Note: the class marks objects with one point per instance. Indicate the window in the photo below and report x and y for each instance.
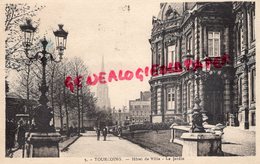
(158, 96)
(252, 26)
(189, 44)
(214, 44)
(240, 39)
(170, 97)
(172, 54)
(253, 76)
(240, 91)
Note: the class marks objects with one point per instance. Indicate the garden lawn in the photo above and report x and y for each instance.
(157, 142)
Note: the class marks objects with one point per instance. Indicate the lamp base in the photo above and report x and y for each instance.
(43, 145)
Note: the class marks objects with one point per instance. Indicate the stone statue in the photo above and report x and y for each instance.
(197, 118)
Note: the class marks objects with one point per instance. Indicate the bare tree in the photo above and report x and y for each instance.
(78, 70)
(16, 14)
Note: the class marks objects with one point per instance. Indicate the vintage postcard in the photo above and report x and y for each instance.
(129, 81)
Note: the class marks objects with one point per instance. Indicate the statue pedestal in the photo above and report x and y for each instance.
(43, 145)
(201, 144)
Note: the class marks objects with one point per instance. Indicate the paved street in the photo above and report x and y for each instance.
(88, 146)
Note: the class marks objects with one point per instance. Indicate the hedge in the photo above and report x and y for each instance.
(156, 126)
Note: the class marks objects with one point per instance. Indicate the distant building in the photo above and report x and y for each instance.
(103, 100)
(121, 117)
(140, 109)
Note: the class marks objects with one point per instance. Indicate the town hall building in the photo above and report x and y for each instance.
(205, 32)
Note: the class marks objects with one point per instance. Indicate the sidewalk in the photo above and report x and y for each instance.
(238, 142)
(113, 147)
(62, 146)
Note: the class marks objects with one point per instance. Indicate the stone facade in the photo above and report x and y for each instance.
(220, 32)
(140, 109)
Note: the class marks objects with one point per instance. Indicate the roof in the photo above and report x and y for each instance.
(167, 7)
(13, 95)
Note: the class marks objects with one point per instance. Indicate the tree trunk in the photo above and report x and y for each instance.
(82, 121)
(78, 109)
(61, 116)
(28, 94)
(66, 106)
(52, 96)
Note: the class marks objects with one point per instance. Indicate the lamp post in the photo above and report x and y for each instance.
(43, 115)
(43, 141)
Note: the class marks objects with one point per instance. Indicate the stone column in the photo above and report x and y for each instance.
(202, 94)
(245, 95)
(245, 30)
(165, 54)
(179, 49)
(192, 89)
(153, 100)
(162, 51)
(195, 36)
(201, 42)
(235, 100)
(227, 98)
(226, 34)
(179, 98)
(184, 100)
(159, 98)
(205, 40)
(164, 101)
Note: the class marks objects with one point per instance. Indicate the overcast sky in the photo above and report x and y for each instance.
(108, 28)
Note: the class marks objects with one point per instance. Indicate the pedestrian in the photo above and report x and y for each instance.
(7, 139)
(119, 132)
(13, 128)
(98, 133)
(105, 133)
(21, 134)
(70, 131)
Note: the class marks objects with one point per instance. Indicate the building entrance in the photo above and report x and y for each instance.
(214, 102)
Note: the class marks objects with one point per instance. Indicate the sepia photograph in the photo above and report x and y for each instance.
(129, 81)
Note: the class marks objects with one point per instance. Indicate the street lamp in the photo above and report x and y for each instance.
(42, 114)
(28, 31)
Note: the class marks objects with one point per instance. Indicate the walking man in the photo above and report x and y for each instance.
(105, 133)
(119, 132)
(98, 134)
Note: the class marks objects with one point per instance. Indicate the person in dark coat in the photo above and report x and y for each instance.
(7, 137)
(98, 134)
(21, 134)
(119, 132)
(105, 133)
(13, 127)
